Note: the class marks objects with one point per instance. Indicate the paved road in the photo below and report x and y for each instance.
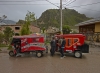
(90, 63)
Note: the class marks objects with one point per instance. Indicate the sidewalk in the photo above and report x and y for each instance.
(3, 50)
(93, 43)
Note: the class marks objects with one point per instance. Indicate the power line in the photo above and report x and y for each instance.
(52, 3)
(15, 1)
(46, 4)
(5, 3)
(85, 5)
(26, 4)
(23, 1)
(89, 9)
(66, 1)
(56, 5)
(71, 2)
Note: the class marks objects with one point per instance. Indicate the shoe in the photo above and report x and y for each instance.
(52, 55)
(61, 58)
(17, 55)
(64, 56)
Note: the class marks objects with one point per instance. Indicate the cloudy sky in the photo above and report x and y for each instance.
(17, 9)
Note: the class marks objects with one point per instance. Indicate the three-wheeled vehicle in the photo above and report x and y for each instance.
(75, 43)
(29, 43)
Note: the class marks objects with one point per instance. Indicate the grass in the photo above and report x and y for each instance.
(47, 42)
(10, 47)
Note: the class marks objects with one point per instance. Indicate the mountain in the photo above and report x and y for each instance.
(51, 17)
(8, 22)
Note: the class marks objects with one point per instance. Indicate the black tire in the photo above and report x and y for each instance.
(11, 53)
(78, 54)
(39, 54)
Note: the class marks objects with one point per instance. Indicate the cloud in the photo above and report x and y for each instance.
(89, 10)
(16, 12)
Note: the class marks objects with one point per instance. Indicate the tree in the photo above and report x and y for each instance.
(8, 33)
(43, 27)
(1, 37)
(66, 29)
(2, 18)
(30, 17)
(24, 30)
(20, 22)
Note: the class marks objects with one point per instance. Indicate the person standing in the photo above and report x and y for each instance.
(62, 46)
(57, 43)
(53, 46)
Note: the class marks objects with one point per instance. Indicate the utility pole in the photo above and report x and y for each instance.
(36, 20)
(61, 16)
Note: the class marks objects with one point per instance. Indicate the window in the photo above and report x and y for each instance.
(35, 39)
(17, 28)
(69, 42)
(75, 40)
(14, 40)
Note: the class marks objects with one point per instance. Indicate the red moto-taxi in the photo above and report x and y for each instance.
(75, 43)
(29, 43)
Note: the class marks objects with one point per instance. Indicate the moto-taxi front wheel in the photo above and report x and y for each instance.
(39, 54)
(11, 53)
(78, 54)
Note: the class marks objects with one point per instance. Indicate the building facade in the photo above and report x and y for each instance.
(90, 26)
(17, 28)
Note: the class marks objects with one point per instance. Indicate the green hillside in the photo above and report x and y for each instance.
(51, 17)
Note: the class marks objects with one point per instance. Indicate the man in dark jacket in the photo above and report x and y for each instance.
(53, 46)
(63, 43)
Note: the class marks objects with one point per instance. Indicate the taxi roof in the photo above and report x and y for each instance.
(29, 36)
(65, 35)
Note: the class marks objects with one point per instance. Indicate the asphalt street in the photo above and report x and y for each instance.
(89, 63)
